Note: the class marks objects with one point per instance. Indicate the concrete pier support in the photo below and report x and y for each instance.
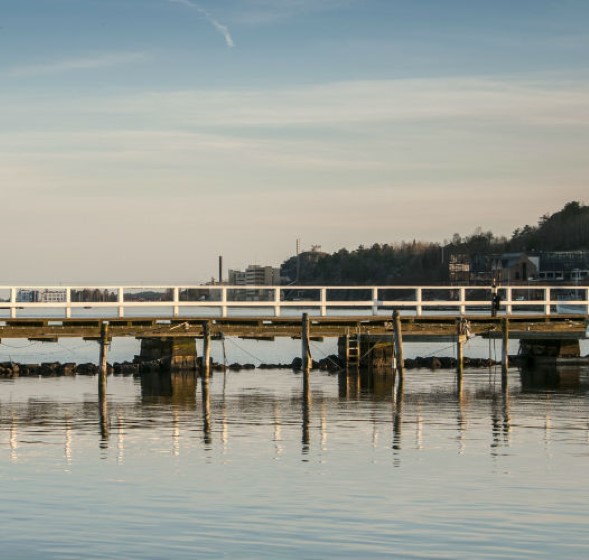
(547, 350)
(171, 353)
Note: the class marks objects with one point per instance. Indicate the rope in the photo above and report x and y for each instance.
(246, 351)
(324, 355)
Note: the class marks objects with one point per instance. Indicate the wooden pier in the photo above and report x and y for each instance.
(378, 335)
(367, 320)
(424, 328)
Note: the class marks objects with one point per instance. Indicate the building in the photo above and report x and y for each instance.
(506, 268)
(550, 266)
(459, 269)
(41, 296)
(564, 266)
(254, 275)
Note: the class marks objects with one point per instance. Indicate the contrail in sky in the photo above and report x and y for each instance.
(223, 29)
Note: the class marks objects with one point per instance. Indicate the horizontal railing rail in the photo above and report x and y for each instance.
(180, 300)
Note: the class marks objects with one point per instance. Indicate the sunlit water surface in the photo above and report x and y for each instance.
(251, 466)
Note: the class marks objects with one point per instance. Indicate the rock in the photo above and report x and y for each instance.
(87, 369)
(68, 369)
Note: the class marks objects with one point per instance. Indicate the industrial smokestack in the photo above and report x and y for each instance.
(220, 269)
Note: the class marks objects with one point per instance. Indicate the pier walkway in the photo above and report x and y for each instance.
(51, 312)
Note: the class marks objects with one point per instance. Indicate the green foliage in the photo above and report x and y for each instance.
(425, 262)
(566, 230)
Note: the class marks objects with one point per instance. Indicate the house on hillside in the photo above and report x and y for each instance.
(564, 266)
(505, 267)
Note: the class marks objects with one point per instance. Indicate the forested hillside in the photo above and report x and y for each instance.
(426, 262)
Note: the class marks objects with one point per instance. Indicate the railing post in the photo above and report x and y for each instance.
(223, 302)
(374, 301)
(323, 302)
(121, 301)
(176, 301)
(68, 303)
(587, 300)
(12, 303)
(276, 302)
(509, 300)
(462, 295)
(419, 301)
(547, 299)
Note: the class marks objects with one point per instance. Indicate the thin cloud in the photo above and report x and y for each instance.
(72, 64)
(262, 12)
(223, 29)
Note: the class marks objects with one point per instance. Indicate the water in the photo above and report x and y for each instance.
(251, 466)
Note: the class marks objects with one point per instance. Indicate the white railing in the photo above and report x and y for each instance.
(185, 301)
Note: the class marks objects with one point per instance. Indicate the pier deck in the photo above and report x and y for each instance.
(415, 328)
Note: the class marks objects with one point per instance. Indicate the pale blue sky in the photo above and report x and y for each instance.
(142, 138)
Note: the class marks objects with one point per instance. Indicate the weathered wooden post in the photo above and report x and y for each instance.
(306, 339)
(206, 348)
(347, 339)
(104, 331)
(398, 336)
(505, 346)
(460, 337)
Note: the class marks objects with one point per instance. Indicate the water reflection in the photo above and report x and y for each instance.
(357, 383)
(103, 407)
(176, 388)
(398, 413)
(563, 379)
(381, 402)
(500, 422)
(206, 411)
(306, 413)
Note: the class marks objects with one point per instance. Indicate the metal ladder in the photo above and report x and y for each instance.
(353, 356)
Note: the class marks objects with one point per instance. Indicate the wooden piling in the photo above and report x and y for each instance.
(206, 348)
(104, 349)
(306, 340)
(505, 345)
(398, 336)
(460, 338)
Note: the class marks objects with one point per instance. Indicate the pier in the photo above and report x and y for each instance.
(370, 322)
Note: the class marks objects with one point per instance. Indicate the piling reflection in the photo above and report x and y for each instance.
(500, 421)
(103, 407)
(306, 414)
(206, 410)
(398, 395)
(461, 416)
(378, 403)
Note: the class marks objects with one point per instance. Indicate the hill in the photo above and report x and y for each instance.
(426, 262)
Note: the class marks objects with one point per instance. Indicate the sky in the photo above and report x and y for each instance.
(141, 139)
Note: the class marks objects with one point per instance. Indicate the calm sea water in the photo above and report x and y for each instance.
(250, 466)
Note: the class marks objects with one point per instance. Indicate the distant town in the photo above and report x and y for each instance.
(554, 251)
